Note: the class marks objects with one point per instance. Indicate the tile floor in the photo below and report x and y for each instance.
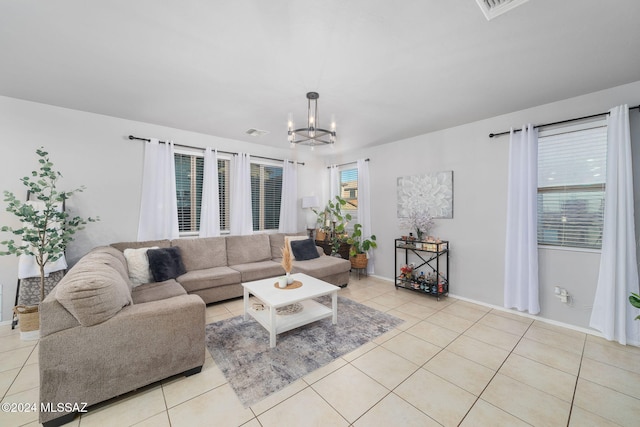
(451, 363)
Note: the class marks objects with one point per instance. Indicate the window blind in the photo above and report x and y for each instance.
(223, 189)
(189, 174)
(266, 194)
(571, 184)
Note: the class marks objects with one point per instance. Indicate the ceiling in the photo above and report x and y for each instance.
(388, 70)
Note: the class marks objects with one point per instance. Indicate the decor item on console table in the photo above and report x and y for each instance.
(420, 221)
(430, 257)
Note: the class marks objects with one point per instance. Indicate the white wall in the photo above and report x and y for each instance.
(477, 231)
(93, 150)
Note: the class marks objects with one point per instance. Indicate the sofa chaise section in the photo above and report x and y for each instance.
(99, 339)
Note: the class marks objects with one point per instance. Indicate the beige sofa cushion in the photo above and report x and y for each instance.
(259, 270)
(246, 249)
(203, 252)
(157, 291)
(93, 292)
(209, 278)
(121, 246)
(113, 258)
(276, 240)
(322, 266)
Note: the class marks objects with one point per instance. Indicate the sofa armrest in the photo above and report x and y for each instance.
(141, 344)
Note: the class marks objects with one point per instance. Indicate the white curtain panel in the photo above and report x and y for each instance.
(334, 182)
(210, 210)
(612, 313)
(289, 198)
(159, 205)
(521, 260)
(364, 207)
(241, 217)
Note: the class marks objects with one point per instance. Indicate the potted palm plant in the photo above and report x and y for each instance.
(45, 231)
(360, 245)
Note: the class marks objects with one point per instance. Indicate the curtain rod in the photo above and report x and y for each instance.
(348, 163)
(131, 137)
(491, 135)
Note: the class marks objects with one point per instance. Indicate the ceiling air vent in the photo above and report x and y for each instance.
(256, 132)
(493, 8)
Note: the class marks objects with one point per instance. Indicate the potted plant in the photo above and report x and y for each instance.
(360, 246)
(322, 230)
(333, 223)
(46, 229)
(634, 299)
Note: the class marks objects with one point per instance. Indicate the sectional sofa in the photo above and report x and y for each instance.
(102, 335)
(216, 266)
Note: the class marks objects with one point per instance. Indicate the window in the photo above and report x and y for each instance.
(571, 184)
(266, 192)
(189, 169)
(223, 189)
(349, 192)
(189, 179)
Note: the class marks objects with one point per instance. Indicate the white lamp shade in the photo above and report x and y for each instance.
(310, 202)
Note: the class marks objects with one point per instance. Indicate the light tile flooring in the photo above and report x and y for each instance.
(451, 363)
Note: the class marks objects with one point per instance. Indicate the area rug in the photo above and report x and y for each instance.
(254, 370)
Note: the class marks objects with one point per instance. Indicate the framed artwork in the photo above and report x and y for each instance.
(430, 192)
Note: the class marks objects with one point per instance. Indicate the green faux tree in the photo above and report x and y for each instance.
(46, 231)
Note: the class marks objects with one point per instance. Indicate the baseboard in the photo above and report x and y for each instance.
(518, 313)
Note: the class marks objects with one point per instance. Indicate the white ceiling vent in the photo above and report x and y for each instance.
(493, 8)
(256, 132)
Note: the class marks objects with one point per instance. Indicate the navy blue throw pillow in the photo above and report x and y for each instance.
(165, 263)
(304, 249)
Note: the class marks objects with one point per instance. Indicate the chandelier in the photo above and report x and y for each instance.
(313, 134)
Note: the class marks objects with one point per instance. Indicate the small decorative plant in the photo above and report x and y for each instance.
(47, 230)
(360, 244)
(419, 221)
(634, 299)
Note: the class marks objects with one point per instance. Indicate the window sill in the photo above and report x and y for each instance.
(569, 249)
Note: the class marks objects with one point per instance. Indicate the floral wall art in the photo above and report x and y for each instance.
(430, 193)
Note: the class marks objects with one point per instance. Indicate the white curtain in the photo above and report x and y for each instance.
(521, 260)
(612, 313)
(159, 206)
(241, 217)
(364, 207)
(289, 198)
(334, 182)
(210, 210)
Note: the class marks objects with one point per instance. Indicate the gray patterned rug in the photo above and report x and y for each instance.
(254, 370)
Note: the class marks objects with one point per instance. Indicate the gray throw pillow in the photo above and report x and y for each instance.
(165, 263)
(304, 249)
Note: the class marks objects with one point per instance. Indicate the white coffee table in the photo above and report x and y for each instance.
(274, 298)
